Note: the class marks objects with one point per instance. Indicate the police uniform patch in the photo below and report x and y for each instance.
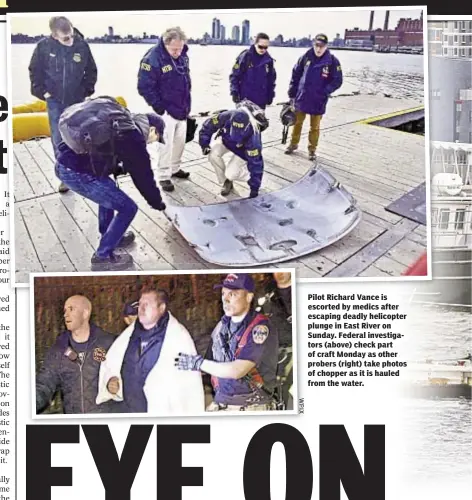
(253, 152)
(260, 333)
(236, 66)
(99, 354)
(77, 57)
(166, 68)
(325, 72)
(146, 66)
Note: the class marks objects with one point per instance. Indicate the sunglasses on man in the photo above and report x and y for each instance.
(263, 47)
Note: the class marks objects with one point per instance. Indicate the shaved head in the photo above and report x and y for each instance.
(77, 311)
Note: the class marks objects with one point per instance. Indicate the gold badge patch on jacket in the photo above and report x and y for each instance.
(77, 57)
(99, 354)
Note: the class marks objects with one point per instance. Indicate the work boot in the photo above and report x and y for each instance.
(63, 188)
(127, 239)
(167, 185)
(311, 155)
(115, 262)
(180, 174)
(227, 187)
(291, 149)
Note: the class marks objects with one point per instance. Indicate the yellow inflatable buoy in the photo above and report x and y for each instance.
(30, 121)
(28, 126)
(31, 107)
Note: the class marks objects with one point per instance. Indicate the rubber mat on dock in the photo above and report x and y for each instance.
(411, 205)
(304, 217)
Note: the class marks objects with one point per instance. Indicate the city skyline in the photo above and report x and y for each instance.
(294, 23)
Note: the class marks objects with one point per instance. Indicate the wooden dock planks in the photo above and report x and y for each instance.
(55, 232)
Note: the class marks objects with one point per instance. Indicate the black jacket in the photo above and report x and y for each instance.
(131, 151)
(278, 308)
(69, 74)
(77, 382)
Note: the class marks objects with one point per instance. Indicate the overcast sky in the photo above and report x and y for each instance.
(289, 22)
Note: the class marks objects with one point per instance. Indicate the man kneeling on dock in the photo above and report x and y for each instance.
(102, 138)
(239, 134)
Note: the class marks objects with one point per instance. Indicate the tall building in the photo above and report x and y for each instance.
(222, 32)
(235, 34)
(450, 81)
(215, 29)
(450, 38)
(450, 84)
(110, 31)
(246, 27)
(279, 39)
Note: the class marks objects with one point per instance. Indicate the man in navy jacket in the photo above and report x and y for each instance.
(90, 176)
(316, 75)
(62, 72)
(164, 82)
(253, 75)
(72, 363)
(240, 137)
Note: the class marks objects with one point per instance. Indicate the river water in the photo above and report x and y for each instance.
(398, 75)
(440, 431)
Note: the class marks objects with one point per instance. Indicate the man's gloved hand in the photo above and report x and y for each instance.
(253, 193)
(188, 361)
(206, 150)
(236, 98)
(160, 111)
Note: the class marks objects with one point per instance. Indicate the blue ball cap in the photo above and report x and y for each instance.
(239, 124)
(238, 282)
(321, 38)
(157, 122)
(131, 308)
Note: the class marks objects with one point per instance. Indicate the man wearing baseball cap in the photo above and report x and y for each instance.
(130, 312)
(238, 136)
(242, 355)
(316, 75)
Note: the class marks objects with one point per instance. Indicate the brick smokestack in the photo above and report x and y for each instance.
(371, 22)
(387, 14)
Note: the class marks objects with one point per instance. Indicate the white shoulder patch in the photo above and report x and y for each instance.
(260, 334)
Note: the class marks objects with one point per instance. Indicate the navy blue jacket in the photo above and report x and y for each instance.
(131, 150)
(253, 77)
(250, 149)
(260, 347)
(313, 80)
(69, 74)
(165, 82)
(77, 382)
(141, 355)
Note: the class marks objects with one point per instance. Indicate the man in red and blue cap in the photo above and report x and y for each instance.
(316, 75)
(242, 355)
(238, 136)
